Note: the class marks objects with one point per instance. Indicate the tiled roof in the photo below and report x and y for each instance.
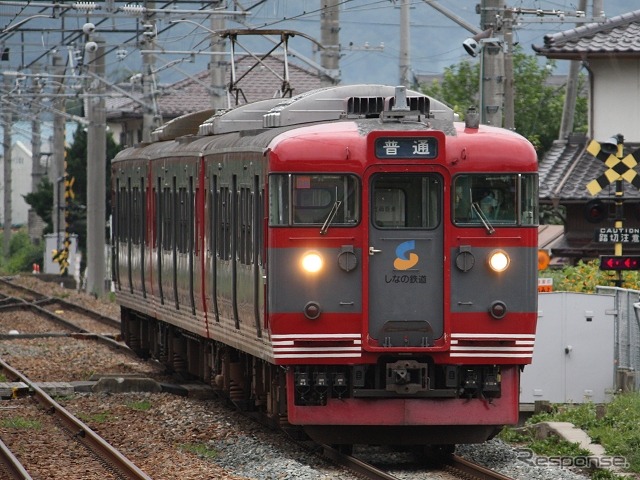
(617, 35)
(192, 94)
(567, 168)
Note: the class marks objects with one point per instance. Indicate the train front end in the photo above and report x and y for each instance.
(401, 306)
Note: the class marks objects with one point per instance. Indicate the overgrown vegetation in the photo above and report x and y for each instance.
(586, 276)
(616, 426)
(22, 254)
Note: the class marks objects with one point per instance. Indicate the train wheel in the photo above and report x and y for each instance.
(344, 449)
(436, 454)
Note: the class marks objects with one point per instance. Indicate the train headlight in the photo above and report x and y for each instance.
(499, 260)
(312, 262)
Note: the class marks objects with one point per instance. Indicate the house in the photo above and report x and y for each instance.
(610, 53)
(255, 81)
(20, 183)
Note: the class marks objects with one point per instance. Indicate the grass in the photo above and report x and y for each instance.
(141, 406)
(200, 449)
(616, 426)
(100, 417)
(20, 423)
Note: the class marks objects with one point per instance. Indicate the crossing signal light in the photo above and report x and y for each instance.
(620, 262)
(595, 211)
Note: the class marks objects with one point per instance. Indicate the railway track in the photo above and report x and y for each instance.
(454, 465)
(99, 459)
(53, 309)
(14, 296)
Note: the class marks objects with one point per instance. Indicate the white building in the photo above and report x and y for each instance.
(20, 183)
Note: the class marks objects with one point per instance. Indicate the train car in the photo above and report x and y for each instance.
(352, 261)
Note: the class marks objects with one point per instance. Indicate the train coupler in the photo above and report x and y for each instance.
(407, 376)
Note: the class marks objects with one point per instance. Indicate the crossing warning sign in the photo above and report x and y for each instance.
(618, 168)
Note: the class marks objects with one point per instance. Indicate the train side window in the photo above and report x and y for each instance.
(279, 199)
(224, 224)
(529, 214)
(212, 199)
(183, 214)
(122, 210)
(308, 199)
(245, 226)
(167, 219)
(259, 226)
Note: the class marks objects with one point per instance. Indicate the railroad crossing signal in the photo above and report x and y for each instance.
(68, 188)
(618, 168)
(620, 262)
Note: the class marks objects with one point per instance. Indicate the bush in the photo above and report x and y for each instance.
(618, 430)
(586, 276)
(22, 254)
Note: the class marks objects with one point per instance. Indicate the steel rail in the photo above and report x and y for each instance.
(41, 299)
(20, 288)
(473, 470)
(80, 431)
(110, 321)
(358, 466)
(11, 465)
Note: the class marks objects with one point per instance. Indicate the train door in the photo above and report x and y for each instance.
(406, 264)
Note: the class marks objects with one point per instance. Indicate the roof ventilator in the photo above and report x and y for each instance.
(369, 107)
(401, 109)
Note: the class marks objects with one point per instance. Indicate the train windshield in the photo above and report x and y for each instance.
(314, 199)
(496, 199)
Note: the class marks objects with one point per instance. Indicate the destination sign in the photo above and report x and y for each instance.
(406, 147)
(617, 235)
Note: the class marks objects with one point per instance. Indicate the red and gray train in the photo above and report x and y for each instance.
(352, 260)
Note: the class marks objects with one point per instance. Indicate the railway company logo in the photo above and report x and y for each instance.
(405, 258)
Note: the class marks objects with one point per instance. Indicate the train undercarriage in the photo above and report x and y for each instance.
(270, 392)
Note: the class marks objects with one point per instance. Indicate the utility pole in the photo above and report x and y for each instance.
(330, 39)
(491, 66)
(35, 222)
(509, 84)
(571, 95)
(7, 123)
(405, 41)
(56, 172)
(217, 64)
(96, 168)
(150, 116)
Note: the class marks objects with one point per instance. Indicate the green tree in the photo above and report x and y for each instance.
(459, 88)
(537, 105)
(76, 168)
(42, 202)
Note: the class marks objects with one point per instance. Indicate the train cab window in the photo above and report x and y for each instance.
(495, 200)
(311, 199)
(406, 201)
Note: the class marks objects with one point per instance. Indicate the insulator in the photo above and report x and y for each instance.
(133, 9)
(87, 6)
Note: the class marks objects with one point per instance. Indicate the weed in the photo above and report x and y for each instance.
(21, 423)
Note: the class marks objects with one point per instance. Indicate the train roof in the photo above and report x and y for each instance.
(321, 105)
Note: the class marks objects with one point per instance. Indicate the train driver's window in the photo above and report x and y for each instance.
(494, 199)
(310, 199)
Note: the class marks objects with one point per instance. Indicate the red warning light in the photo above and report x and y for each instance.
(621, 262)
